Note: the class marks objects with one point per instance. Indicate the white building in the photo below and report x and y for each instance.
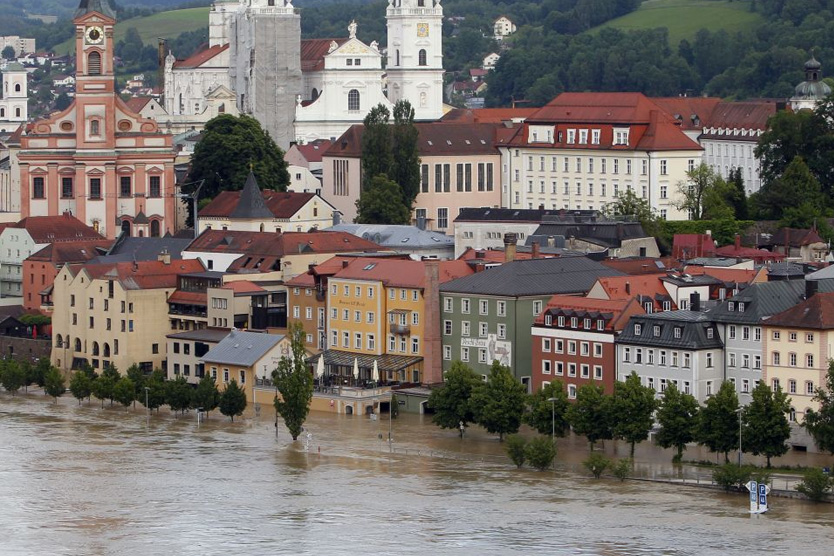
(14, 98)
(21, 45)
(503, 27)
(490, 60)
(811, 91)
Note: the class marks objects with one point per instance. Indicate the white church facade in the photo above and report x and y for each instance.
(14, 98)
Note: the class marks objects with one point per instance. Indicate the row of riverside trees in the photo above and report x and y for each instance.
(15, 375)
(501, 405)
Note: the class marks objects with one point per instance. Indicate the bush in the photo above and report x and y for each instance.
(732, 477)
(815, 484)
(597, 464)
(516, 449)
(621, 468)
(540, 452)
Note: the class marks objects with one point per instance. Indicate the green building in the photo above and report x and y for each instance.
(488, 315)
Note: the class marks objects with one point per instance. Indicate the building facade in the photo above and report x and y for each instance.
(14, 98)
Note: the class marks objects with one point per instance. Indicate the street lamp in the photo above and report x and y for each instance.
(552, 419)
(147, 389)
(739, 411)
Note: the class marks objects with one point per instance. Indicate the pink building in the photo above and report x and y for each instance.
(110, 167)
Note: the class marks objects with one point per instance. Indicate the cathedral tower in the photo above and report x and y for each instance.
(415, 55)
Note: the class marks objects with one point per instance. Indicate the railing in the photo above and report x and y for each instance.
(399, 329)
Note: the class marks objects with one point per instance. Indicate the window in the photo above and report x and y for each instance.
(776, 335)
(677, 332)
(809, 338)
(597, 350)
(708, 389)
(731, 362)
(464, 306)
(94, 63)
(464, 328)
(745, 331)
(37, 188)
(357, 340)
(483, 329)
(546, 345)
(353, 100)
(501, 308)
(809, 360)
(571, 347)
(663, 168)
(775, 384)
(442, 218)
(662, 359)
(483, 307)
(585, 348)
(447, 353)
(776, 358)
(709, 333)
(571, 369)
(447, 304)
(502, 331)
(597, 372)
(482, 355)
(686, 360)
(731, 332)
(464, 354)
(627, 355)
(66, 188)
(560, 346)
(537, 307)
(638, 329)
(546, 367)
(809, 388)
(745, 386)
(792, 337)
(154, 188)
(585, 371)
(792, 359)
(421, 57)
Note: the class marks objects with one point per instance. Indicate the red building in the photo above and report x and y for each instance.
(573, 341)
(112, 168)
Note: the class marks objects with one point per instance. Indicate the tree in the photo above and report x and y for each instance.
(590, 414)
(718, 422)
(62, 102)
(381, 202)
(516, 449)
(629, 205)
(815, 484)
(820, 422)
(81, 386)
(738, 197)
(103, 386)
(499, 404)
(377, 152)
(633, 404)
(677, 417)
(230, 147)
(597, 464)
(9, 53)
(765, 428)
(155, 393)
(137, 376)
(12, 376)
(232, 400)
(405, 167)
(28, 371)
(540, 452)
(40, 370)
(111, 374)
(178, 394)
(205, 397)
(54, 383)
(792, 189)
(546, 416)
(294, 382)
(451, 402)
(123, 391)
(698, 186)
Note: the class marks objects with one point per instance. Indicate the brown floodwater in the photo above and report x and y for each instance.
(82, 480)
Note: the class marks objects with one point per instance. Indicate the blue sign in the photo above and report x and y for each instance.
(753, 492)
(762, 489)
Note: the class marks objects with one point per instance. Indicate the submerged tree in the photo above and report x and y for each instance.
(294, 382)
(451, 402)
(232, 401)
(633, 404)
(499, 403)
(677, 417)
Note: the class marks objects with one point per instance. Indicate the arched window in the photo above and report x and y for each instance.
(95, 127)
(353, 100)
(421, 57)
(141, 233)
(17, 87)
(78, 344)
(154, 228)
(126, 227)
(398, 58)
(59, 341)
(95, 348)
(262, 227)
(2, 112)
(106, 350)
(94, 63)
(315, 94)
(17, 112)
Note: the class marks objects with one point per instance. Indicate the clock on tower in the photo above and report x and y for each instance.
(94, 35)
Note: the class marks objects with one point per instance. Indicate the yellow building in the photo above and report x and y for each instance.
(114, 313)
(797, 347)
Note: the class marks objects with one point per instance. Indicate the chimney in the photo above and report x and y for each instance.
(695, 301)
(510, 241)
(164, 257)
(810, 288)
(738, 242)
(628, 288)
(432, 342)
(551, 241)
(345, 264)
(480, 254)
(535, 251)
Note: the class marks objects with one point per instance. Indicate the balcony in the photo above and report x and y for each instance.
(403, 329)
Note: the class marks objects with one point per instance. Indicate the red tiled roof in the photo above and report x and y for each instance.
(689, 246)
(50, 229)
(203, 55)
(628, 287)
(486, 115)
(758, 255)
(493, 255)
(616, 307)
(277, 244)
(188, 298)
(641, 265)
(313, 52)
(691, 112)
(138, 103)
(400, 273)
(816, 312)
(142, 275)
(282, 205)
(70, 252)
(313, 151)
(742, 115)
(739, 275)
(242, 287)
(304, 280)
(795, 237)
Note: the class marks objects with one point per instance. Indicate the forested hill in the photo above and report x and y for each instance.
(764, 60)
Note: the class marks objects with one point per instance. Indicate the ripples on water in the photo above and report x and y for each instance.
(92, 481)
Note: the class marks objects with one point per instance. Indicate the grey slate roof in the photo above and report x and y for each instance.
(101, 6)
(822, 274)
(397, 237)
(564, 275)
(488, 214)
(143, 249)
(242, 348)
(606, 234)
(760, 301)
(717, 262)
(693, 325)
(212, 335)
(251, 203)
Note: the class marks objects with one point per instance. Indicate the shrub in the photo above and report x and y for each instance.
(732, 477)
(540, 452)
(815, 484)
(597, 464)
(516, 449)
(621, 468)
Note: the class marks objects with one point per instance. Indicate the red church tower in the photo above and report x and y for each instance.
(113, 169)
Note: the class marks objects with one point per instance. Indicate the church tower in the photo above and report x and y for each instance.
(415, 55)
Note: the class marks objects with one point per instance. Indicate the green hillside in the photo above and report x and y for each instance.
(683, 18)
(165, 25)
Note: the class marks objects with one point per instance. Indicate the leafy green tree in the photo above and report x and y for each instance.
(294, 383)
(41, 368)
(123, 391)
(377, 152)
(718, 421)
(103, 388)
(12, 376)
(54, 384)
(678, 418)
(81, 386)
(499, 403)
(796, 187)
(9, 53)
(732, 476)
(137, 376)
(381, 202)
(452, 402)
(629, 205)
(232, 400)
(820, 422)
(621, 468)
(405, 169)
(155, 393)
(540, 452)
(178, 394)
(28, 371)
(546, 416)
(229, 148)
(111, 373)
(696, 189)
(597, 464)
(816, 484)
(738, 195)
(516, 449)
(62, 102)
(765, 428)
(206, 396)
(634, 405)
(590, 414)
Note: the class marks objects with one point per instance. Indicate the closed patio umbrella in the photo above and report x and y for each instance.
(320, 367)
(375, 372)
(355, 369)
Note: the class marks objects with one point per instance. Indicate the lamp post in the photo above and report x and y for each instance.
(739, 411)
(552, 419)
(147, 389)
(390, 423)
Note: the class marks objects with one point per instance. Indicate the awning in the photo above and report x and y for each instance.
(48, 290)
(385, 362)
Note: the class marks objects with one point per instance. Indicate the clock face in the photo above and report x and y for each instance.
(422, 29)
(94, 35)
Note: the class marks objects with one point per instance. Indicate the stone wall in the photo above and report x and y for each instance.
(25, 348)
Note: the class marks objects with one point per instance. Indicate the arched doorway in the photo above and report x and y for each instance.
(154, 228)
(126, 227)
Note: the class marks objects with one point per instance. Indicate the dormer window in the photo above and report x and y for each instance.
(587, 324)
(656, 331)
(571, 136)
(574, 322)
(677, 332)
(561, 321)
(709, 333)
(600, 324)
(741, 307)
(731, 306)
(638, 329)
(595, 137)
(583, 136)
(548, 320)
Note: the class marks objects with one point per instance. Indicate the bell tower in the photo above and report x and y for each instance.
(415, 55)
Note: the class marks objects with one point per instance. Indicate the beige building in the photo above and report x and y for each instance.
(114, 313)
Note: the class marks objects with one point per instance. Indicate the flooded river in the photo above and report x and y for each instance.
(85, 481)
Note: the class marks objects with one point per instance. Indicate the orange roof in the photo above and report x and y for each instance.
(242, 287)
(628, 287)
(313, 151)
(188, 298)
(493, 255)
(816, 312)
(400, 273)
(692, 112)
(141, 275)
(50, 229)
(203, 55)
(305, 280)
(589, 305)
(313, 52)
(487, 115)
(138, 103)
(742, 276)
